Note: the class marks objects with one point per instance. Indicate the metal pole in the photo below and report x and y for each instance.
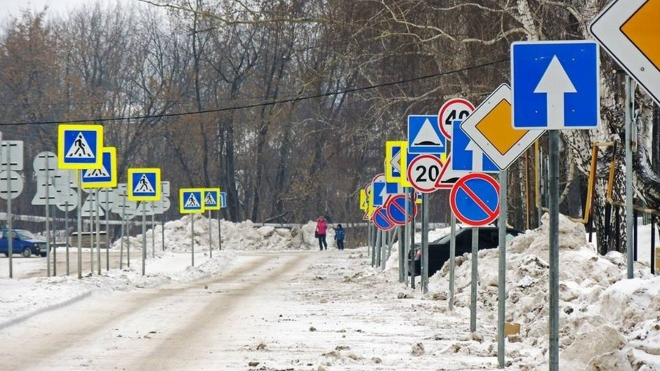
(404, 237)
(144, 236)
(10, 235)
(425, 243)
(219, 232)
(373, 254)
(192, 238)
(452, 262)
(162, 223)
(635, 235)
(121, 241)
(629, 165)
(475, 277)
(402, 247)
(501, 278)
(107, 229)
(79, 225)
(153, 231)
(91, 235)
(653, 244)
(210, 237)
(47, 223)
(412, 246)
(553, 207)
(66, 228)
(98, 232)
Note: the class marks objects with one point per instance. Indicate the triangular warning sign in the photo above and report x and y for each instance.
(80, 148)
(144, 185)
(210, 200)
(427, 136)
(96, 173)
(192, 201)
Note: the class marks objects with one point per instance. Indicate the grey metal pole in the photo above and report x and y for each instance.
(107, 230)
(401, 249)
(162, 223)
(66, 228)
(123, 223)
(91, 236)
(10, 235)
(373, 254)
(153, 232)
(47, 223)
(192, 238)
(144, 236)
(629, 190)
(404, 238)
(425, 243)
(98, 232)
(501, 278)
(79, 224)
(412, 247)
(553, 294)
(473, 281)
(452, 262)
(219, 231)
(210, 237)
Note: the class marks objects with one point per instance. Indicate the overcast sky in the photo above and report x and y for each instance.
(13, 7)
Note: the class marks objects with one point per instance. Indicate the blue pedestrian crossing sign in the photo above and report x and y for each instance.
(211, 198)
(223, 200)
(106, 175)
(144, 184)
(555, 85)
(424, 135)
(79, 146)
(191, 200)
(467, 156)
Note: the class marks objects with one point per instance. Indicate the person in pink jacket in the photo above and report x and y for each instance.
(321, 228)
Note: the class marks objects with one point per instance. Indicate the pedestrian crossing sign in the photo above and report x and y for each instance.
(191, 200)
(144, 184)
(211, 198)
(79, 146)
(106, 175)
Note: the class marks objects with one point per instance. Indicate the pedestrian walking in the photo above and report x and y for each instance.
(340, 235)
(321, 228)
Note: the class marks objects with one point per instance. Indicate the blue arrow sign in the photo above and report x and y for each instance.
(424, 135)
(474, 199)
(380, 193)
(467, 156)
(555, 85)
(223, 200)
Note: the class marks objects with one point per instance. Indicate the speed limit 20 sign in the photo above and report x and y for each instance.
(423, 172)
(453, 109)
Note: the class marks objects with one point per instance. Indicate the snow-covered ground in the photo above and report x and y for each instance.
(607, 322)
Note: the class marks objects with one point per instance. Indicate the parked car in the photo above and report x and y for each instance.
(24, 243)
(439, 249)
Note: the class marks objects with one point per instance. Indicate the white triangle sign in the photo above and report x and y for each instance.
(96, 173)
(427, 136)
(80, 148)
(144, 185)
(209, 200)
(191, 202)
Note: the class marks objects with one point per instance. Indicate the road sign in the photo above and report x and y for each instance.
(396, 209)
(79, 146)
(211, 198)
(379, 194)
(15, 182)
(466, 155)
(223, 200)
(629, 31)
(393, 153)
(490, 128)
(123, 206)
(363, 200)
(381, 220)
(106, 175)
(40, 196)
(191, 200)
(424, 135)
(453, 109)
(144, 184)
(12, 149)
(88, 208)
(165, 188)
(159, 207)
(423, 172)
(474, 199)
(106, 198)
(555, 85)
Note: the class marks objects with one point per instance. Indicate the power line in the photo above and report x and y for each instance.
(262, 104)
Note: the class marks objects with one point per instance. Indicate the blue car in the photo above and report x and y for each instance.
(24, 243)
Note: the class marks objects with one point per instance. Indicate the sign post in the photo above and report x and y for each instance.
(191, 202)
(211, 202)
(144, 185)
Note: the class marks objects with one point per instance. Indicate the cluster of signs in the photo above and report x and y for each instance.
(555, 85)
(198, 200)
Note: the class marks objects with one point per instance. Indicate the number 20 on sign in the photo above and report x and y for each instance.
(423, 172)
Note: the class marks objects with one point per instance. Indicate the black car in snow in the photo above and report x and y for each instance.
(439, 249)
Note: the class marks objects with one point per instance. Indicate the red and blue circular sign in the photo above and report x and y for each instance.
(381, 220)
(475, 199)
(396, 209)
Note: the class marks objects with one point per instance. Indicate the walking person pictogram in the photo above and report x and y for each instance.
(80, 146)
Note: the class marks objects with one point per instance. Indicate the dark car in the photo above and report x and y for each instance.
(24, 243)
(439, 249)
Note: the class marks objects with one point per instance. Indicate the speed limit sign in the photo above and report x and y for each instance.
(453, 109)
(423, 172)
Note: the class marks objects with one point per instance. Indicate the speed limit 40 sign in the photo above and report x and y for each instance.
(424, 171)
(453, 109)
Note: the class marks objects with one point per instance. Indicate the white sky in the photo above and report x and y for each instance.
(60, 7)
(365, 303)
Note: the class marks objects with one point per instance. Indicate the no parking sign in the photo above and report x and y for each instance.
(396, 209)
(474, 199)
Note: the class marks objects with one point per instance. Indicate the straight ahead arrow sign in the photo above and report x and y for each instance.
(555, 83)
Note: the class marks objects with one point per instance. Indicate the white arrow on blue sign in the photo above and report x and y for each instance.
(424, 135)
(555, 85)
(466, 154)
(380, 193)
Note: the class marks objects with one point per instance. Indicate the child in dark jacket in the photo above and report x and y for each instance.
(339, 237)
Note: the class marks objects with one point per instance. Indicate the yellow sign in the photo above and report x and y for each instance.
(629, 30)
(191, 200)
(79, 146)
(490, 128)
(143, 184)
(106, 175)
(394, 149)
(363, 200)
(211, 198)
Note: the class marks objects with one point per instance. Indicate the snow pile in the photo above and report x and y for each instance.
(606, 321)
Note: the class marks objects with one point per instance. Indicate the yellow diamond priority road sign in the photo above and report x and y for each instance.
(629, 30)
